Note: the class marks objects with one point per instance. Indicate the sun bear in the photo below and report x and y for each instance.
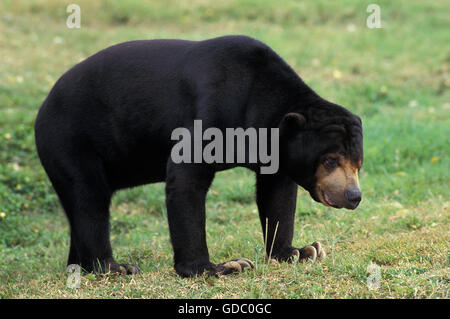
(107, 125)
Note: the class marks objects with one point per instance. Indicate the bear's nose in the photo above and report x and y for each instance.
(353, 196)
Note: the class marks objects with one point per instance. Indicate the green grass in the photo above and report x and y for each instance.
(397, 78)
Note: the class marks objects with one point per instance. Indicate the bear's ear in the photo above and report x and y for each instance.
(292, 123)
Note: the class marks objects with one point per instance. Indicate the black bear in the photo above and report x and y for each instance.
(107, 123)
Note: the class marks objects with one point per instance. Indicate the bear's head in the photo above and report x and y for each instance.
(321, 149)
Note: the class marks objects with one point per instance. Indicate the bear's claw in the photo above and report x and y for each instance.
(123, 269)
(233, 266)
(319, 249)
(309, 253)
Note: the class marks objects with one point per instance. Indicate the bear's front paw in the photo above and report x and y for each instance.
(113, 267)
(309, 253)
(123, 269)
(233, 266)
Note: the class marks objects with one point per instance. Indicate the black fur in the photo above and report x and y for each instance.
(107, 122)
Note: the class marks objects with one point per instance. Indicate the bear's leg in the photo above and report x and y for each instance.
(86, 200)
(73, 253)
(186, 189)
(276, 197)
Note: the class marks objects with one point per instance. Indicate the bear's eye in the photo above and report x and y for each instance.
(330, 163)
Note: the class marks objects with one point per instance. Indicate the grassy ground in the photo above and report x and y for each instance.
(396, 78)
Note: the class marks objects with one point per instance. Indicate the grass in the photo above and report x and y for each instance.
(396, 78)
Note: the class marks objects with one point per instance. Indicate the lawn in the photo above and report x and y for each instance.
(396, 78)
